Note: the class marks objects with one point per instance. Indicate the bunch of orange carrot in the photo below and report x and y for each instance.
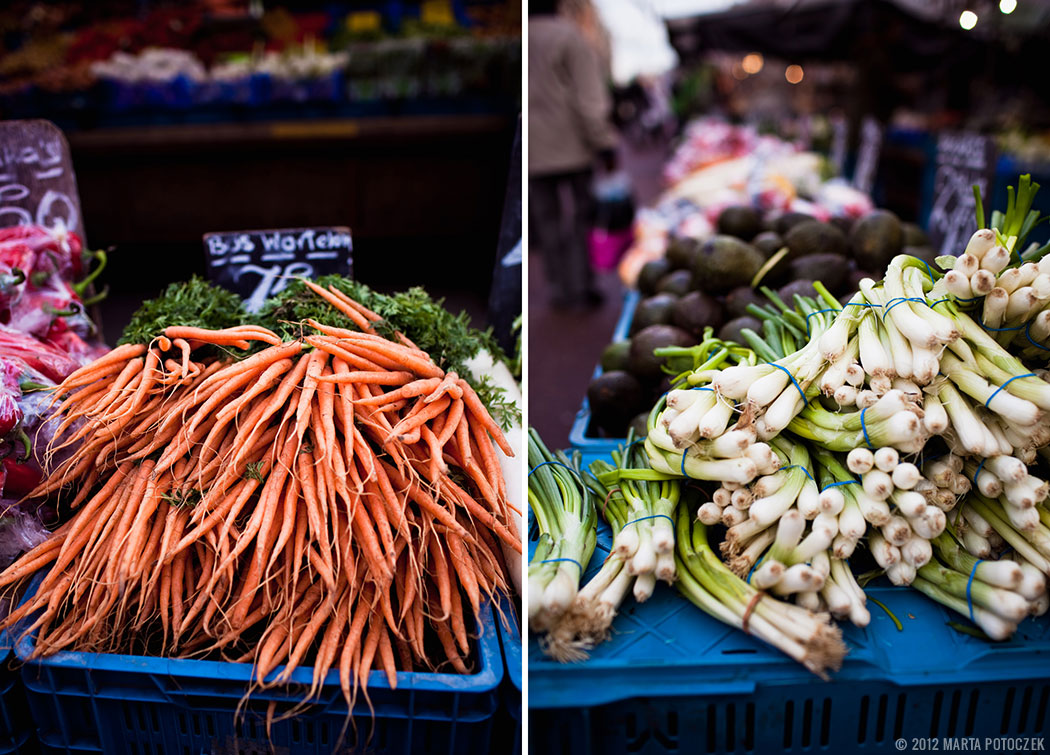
(333, 501)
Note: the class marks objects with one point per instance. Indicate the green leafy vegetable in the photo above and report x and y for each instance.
(448, 338)
(195, 303)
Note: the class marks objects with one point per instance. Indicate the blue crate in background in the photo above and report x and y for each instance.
(16, 725)
(582, 436)
(673, 680)
(118, 704)
(510, 639)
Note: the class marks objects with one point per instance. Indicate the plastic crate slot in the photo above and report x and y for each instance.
(712, 723)
(1040, 715)
(1008, 704)
(862, 727)
(631, 730)
(789, 719)
(297, 731)
(129, 724)
(807, 722)
(898, 722)
(730, 727)
(209, 725)
(180, 722)
(880, 719)
(749, 727)
(825, 723)
(935, 716)
(154, 719)
(196, 718)
(971, 713)
(953, 712)
(739, 651)
(1022, 716)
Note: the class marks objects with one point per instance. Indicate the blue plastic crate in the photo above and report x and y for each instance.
(581, 435)
(16, 725)
(510, 639)
(117, 704)
(672, 679)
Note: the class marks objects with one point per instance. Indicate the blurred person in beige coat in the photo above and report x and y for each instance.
(569, 129)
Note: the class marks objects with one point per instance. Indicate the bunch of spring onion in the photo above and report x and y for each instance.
(640, 505)
(808, 637)
(566, 518)
(995, 594)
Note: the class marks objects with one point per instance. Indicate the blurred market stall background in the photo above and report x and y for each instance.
(827, 108)
(394, 118)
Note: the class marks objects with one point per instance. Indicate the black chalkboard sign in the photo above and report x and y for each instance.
(259, 264)
(963, 159)
(37, 184)
(505, 295)
(867, 166)
(839, 144)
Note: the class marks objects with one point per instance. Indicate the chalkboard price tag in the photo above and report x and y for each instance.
(258, 264)
(963, 159)
(868, 155)
(37, 184)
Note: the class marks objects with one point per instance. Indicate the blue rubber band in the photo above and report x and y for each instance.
(899, 300)
(558, 463)
(1031, 340)
(651, 516)
(979, 468)
(683, 462)
(970, 300)
(969, 586)
(1015, 377)
(579, 479)
(794, 382)
(862, 304)
(818, 312)
(798, 466)
(923, 461)
(840, 484)
(1000, 330)
(864, 427)
(701, 388)
(753, 567)
(929, 270)
(556, 560)
(940, 301)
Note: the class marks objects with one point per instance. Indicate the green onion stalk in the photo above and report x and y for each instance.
(567, 520)
(996, 594)
(809, 638)
(639, 504)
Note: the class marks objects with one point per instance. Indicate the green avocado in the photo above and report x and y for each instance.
(724, 263)
(742, 221)
(739, 298)
(768, 242)
(615, 398)
(696, 311)
(914, 235)
(789, 220)
(814, 237)
(653, 311)
(676, 283)
(876, 239)
(650, 275)
(829, 269)
(681, 252)
(643, 363)
(615, 355)
(731, 330)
